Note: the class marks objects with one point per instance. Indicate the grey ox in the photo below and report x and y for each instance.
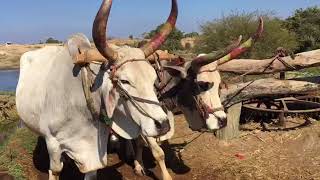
(51, 100)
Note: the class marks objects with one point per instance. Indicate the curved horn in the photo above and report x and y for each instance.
(244, 46)
(211, 57)
(230, 53)
(99, 31)
(164, 32)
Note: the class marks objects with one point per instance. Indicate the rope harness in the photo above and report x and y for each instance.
(87, 81)
(203, 109)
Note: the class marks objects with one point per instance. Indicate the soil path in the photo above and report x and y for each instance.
(255, 155)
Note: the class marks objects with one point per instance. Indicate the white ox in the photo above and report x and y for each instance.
(50, 97)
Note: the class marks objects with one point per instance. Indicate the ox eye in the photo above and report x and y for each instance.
(125, 81)
(204, 86)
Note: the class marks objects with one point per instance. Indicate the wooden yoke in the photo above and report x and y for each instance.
(80, 50)
(162, 55)
(88, 55)
(83, 53)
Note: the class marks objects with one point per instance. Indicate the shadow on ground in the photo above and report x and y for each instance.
(121, 158)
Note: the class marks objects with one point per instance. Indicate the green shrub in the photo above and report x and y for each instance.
(52, 41)
(192, 34)
(219, 33)
(173, 41)
(305, 23)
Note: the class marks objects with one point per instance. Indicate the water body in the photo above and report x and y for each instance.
(8, 80)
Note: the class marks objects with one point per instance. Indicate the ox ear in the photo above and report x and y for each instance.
(111, 100)
(75, 43)
(181, 70)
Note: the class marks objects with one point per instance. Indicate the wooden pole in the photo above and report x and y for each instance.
(268, 66)
(232, 129)
(265, 87)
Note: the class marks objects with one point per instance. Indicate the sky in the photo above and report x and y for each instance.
(29, 21)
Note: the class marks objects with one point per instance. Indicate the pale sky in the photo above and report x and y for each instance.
(29, 21)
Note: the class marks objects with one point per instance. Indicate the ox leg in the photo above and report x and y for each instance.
(91, 176)
(138, 163)
(158, 154)
(56, 164)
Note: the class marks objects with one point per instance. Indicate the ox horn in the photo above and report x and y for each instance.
(211, 57)
(164, 32)
(99, 32)
(244, 46)
(233, 51)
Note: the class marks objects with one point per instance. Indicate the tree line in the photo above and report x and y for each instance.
(297, 33)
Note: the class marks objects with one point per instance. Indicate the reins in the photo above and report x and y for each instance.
(134, 100)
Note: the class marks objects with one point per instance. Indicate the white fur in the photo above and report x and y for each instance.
(51, 102)
(211, 97)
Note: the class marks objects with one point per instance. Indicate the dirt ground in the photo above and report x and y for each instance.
(293, 154)
(255, 155)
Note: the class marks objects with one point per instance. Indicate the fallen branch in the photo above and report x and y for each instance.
(268, 66)
(265, 88)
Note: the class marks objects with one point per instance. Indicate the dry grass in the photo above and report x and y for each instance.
(16, 145)
(10, 55)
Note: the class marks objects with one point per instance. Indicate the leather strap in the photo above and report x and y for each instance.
(87, 80)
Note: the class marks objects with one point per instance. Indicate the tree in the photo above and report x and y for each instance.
(52, 41)
(305, 23)
(192, 34)
(219, 33)
(173, 41)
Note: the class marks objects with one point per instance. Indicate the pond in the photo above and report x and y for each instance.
(8, 80)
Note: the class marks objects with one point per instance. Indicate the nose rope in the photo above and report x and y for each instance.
(87, 79)
(125, 94)
(205, 110)
(134, 100)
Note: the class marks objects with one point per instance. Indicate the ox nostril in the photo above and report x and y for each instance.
(158, 124)
(163, 127)
(222, 122)
(166, 126)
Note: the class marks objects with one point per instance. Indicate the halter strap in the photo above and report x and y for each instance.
(125, 94)
(87, 80)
